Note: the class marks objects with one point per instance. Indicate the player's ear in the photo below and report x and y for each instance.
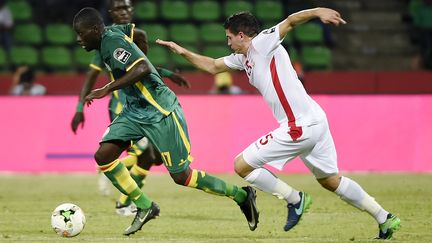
(241, 35)
(96, 29)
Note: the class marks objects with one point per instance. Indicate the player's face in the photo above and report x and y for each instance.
(235, 42)
(121, 11)
(87, 38)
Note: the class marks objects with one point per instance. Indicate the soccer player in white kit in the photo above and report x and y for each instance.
(303, 129)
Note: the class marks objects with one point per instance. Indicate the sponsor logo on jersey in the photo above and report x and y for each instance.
(269, 31)
(121, 55)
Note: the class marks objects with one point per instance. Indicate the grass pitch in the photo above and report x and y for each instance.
(188, 215)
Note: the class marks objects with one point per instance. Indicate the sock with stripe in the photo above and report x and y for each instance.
(130, 160)
(138, 174)
(122, 180)
(213, 185)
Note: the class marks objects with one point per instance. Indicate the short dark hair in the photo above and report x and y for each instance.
(242, 22)
(27, 76)
(111, 2)
(89, 16)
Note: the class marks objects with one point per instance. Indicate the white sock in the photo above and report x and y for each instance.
(351, 192)
(268, 182)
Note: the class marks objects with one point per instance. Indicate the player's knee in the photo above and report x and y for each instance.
(99, 157)
(179, 178)
(330, 183)
(241, 167)
(103, 157)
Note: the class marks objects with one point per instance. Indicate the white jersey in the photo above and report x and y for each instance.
(269, 69)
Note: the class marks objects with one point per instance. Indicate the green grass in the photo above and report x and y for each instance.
(188, 215)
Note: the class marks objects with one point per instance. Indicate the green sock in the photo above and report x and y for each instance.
(216, 186)
(138, 175)
(121, 179)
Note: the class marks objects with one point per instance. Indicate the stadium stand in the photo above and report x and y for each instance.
(316, 57)
(3, 59)
(375, 37)
(174, 10)
(24, 55)
(211, 33)
(56, 58)
(155, 31)
(30, 34)
(195, 23)
(158, 55)
(145, 11)
(232, 6)
(206, 10)
(21, 10)
(59, 34)
(184, 33)
(268, 10)
(81, 58)
(216, 51)
(309, 33)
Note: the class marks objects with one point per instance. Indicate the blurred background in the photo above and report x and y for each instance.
(386, 47)
(372, 76)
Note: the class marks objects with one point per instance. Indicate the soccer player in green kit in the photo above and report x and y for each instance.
(151, 110)
(141, 156)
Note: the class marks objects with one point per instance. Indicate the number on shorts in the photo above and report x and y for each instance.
(167, 158)
(264, 141)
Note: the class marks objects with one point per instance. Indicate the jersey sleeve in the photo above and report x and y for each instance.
(123, 53)
(96, 62)
(267, 41)
(234, 61)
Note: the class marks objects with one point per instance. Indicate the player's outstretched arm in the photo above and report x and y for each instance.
(204, 63)
(17, 77)
(174, 77)
(136, 73)
(89, 82)
(326, 15)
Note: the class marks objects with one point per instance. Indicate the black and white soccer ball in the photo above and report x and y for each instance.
(68, 220)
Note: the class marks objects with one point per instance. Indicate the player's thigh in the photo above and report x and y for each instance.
(123, 129)
(275, 148)
(170, 137)
(322, 159)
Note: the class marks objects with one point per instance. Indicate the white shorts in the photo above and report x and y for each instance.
(315, 147)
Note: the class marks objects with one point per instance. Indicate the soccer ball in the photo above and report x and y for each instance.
(68, 220)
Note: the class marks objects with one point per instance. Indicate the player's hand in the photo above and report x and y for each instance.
(96, 94)
(22, 69)
(171, 45)
(77, 120)
(179, 80)
(330, 16)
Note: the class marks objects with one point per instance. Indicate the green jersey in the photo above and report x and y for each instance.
(148, 100)
(117, 98)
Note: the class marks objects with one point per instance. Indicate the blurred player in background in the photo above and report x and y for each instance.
(23, 83)
(303, 127)
(151, 110)
(141, 156)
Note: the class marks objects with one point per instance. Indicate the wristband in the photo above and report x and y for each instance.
(165, 72)
(80, 107)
